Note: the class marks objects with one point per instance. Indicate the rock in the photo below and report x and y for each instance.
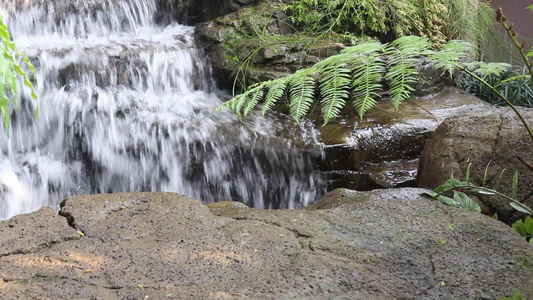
(29, 233)
(193, 12)
(242, 38)
(386, 244)
(497, 137)
(382, 150)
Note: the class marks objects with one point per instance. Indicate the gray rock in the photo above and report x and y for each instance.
(495, 136)
(386, 244)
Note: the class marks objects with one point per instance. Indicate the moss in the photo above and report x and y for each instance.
(516, 296)
(525, 263)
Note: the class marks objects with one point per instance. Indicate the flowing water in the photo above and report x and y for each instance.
(126, 104)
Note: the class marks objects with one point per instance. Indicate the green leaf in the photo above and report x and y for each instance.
(276, 89)
(528, 224)
(521, 207)
(495, 216)
(302, 95)
(258, 95)
(447, 200)
(366, 83)
(450, 56)
(404, 53)
(467, 175)
(486, 173)
(444, 187)
(429, 194)
(500, 177)
(519, 227)
(465, 202)
(334, 88)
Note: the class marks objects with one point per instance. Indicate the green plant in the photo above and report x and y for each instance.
(525, 228)
(462, 200)
(356, 74)
(10, 65)
(515, 85)
(439, 20)
(517, 295)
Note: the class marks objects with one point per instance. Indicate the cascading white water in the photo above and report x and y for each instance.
(127, 105)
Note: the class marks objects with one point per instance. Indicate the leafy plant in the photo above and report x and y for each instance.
(515, 85)
(460, 197)
(355, 74)
(11, 64)
(438, 20)
(525, 228)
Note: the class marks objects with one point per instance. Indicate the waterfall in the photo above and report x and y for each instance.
(126, 104)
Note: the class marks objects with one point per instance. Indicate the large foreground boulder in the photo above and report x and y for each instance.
(496, 139)
(386, 244)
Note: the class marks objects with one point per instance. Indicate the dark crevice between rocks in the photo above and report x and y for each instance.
(70, 218)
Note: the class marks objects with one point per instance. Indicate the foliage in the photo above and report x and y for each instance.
(459, 198)
(439, 20)
(525, 228)
(462, 200)
(516, 86)
(355, 74)
(452, 185)
(10, 65)
(517, 295)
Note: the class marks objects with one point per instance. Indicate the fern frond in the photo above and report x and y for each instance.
(301, 94)
(522, 77)
(404, 53)
(367, 76)
(276, 89)
(484, 69)
(450, 56)
(252, 101)
(335, 90)
(365, 48)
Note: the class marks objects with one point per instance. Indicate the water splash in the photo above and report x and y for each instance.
(126, 105)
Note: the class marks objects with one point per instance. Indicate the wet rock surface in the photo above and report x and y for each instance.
(382, 150)
(384, 244)
(496, 136)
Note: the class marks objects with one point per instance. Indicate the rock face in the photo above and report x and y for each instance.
(382, 150)
(193, 12)
(387, 244)
(495, 136)
(237, 47)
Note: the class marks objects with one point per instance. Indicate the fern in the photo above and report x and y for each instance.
(276, 89)
(367, 75)
(358, 72)
(252, 102)
(302, 95)
(334, 88)
(450, 57)
(405, 53)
